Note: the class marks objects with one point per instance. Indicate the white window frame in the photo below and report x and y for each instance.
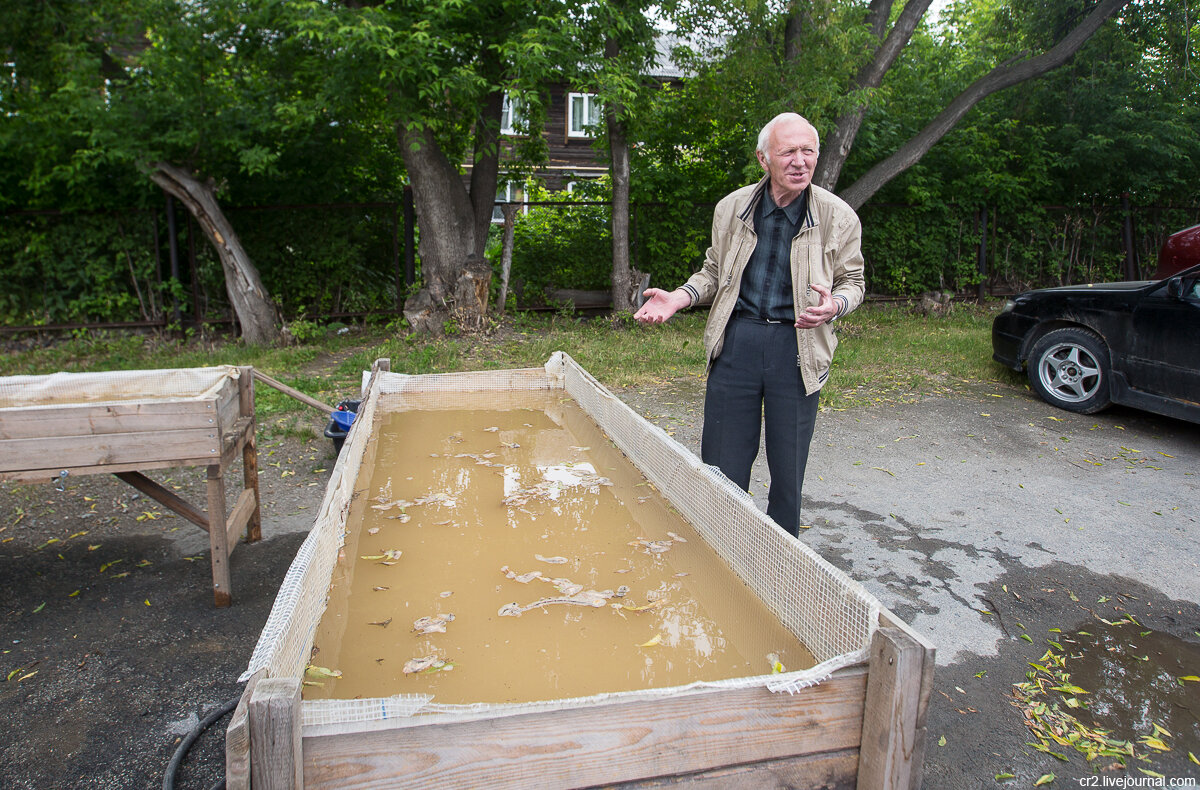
(509, 192)
(591, 114)
(512, 116)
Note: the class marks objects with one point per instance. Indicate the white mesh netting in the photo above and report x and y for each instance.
(61, 389)
(830, 613)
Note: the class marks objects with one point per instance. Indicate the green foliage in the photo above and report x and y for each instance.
(80, 268)
(567, 246)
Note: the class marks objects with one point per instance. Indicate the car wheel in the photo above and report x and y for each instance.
(1069, 368)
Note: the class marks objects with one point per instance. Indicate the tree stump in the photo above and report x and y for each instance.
(470, 299)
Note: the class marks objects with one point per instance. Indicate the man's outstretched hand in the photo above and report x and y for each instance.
(661, 305)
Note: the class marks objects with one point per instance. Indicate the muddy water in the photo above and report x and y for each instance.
(553, 567)
(1134, 676)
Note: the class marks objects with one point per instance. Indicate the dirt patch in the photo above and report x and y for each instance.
(112, 649)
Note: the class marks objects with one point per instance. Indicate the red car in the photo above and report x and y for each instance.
(1180, 251)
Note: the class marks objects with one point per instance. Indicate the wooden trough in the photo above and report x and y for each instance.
(59, 426)
(861, 726)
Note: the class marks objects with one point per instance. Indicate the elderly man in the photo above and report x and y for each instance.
(785, 262)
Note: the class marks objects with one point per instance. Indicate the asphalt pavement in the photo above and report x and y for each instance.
(994, 524)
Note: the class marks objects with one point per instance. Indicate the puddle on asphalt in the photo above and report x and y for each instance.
(1135, 679)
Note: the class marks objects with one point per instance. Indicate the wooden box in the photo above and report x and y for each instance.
(862, 726)
(84, 423)
(61, 425)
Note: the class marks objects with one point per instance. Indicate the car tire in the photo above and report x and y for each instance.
(1069, 368)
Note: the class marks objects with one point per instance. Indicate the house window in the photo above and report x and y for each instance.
(508, 192)
(583, 111)
(512, 116)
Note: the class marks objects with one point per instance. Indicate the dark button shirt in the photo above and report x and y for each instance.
(766, 290)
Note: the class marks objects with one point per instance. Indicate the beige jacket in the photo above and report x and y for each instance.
(826, 250)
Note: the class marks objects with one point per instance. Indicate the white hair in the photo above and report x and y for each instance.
(764, 137)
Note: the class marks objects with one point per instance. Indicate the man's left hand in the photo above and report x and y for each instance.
(822, 312)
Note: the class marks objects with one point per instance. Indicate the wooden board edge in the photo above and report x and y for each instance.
(237, 739)
(600, 744)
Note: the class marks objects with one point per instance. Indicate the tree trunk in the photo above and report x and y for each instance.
(485, 170)
(841, 139)
(255, 311)
(622, 278)
(446, 222)
(1003, 76)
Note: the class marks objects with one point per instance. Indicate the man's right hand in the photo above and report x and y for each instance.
(661, 305)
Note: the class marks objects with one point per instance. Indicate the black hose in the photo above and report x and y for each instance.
(182, 750)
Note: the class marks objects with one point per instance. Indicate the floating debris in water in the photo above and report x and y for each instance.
(390, 554)
(652, 546)
(382, 623)
(482, 459)
(322, 672)
(438, 498)
(643, 608)
(435, 624)
(589, 598)
(551, 560)
(426, 664)
(524, 578)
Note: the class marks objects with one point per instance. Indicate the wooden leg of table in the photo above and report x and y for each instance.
(250, 451)
(218, 541)
(250, 480)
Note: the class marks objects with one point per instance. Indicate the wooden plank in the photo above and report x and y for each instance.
(889, 619)
(243, 511)
(821, 771)
(275, 745)
(292, 392)
(228, 406)
(51, 475)
(893, 722)
(155, 491)
(85, 419)
(234, 441)
(598, 744)
(128, 448)
(218, 540)
(237, 739)
(250, 451)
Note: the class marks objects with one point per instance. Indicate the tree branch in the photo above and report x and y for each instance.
(999, 78)
(841, 140)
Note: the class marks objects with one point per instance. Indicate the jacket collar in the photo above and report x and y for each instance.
(746, 215)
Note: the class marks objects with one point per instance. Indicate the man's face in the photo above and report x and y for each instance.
(793, 155)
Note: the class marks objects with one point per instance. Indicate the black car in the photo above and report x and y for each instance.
(1088, 346)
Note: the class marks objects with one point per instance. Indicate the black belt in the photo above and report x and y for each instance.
(745, 315)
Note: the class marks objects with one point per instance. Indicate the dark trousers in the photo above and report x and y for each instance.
(754, 381)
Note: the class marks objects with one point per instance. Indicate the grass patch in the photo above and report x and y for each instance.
(887, 354)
